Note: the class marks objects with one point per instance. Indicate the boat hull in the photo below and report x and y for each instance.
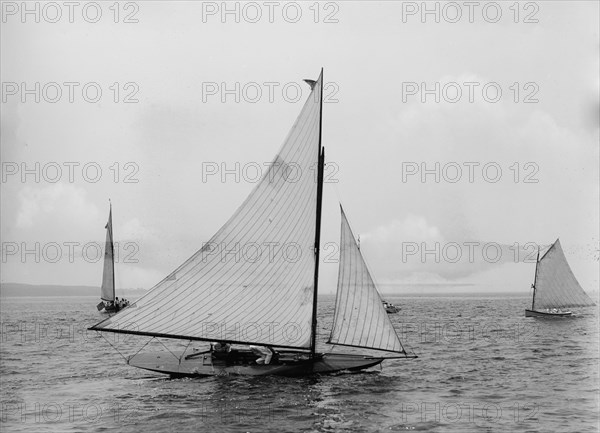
(534, 313)
(290, 364)
(112, 309)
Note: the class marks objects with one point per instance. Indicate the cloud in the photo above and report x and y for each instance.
(64, 202)
(133, 229)
(411, 227)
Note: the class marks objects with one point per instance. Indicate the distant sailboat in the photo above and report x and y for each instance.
(555, 287)
(389, 307)
(109, 303)
(264, 302)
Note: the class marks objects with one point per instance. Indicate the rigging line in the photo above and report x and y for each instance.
(169, 350)
(148, 342)
(118, 351)
(184, 350)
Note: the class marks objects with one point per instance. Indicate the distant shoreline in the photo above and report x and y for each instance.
(14, 290)
(17, 290)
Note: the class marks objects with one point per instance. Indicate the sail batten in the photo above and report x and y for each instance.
(555, 283)
(253, 281)
(360, 319)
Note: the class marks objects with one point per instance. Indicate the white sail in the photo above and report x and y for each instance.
(555, 284)
(360, 319)
(253, 282)
(107, 291)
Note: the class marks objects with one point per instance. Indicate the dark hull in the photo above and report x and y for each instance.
(291, 364)
(111, 309)
(534, 313)
(390, 308)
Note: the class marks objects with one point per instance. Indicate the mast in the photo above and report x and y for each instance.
(537, 261)
(313, 342)
(112, 253)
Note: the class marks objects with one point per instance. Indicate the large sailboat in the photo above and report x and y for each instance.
(555, 288)
(110, 303)
(251, 291)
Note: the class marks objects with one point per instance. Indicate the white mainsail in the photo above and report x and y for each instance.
(360, 319)
(555, 284)
(107, 291)
(253, 282)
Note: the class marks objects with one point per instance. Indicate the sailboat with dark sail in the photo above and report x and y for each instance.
(252, 289)
(110, 303)
(555, 288)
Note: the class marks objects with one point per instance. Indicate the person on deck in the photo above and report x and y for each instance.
(264, 353)
(220, 350)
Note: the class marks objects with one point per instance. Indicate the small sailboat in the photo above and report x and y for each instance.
(256, 306)
(109, 303)
(555, 288)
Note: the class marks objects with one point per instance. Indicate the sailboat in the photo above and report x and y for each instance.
(555, 288)
(256, 304)
(109, 303)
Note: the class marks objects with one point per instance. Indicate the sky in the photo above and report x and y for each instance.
(458, 139)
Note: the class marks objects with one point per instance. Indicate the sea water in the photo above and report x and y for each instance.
(482, 366)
